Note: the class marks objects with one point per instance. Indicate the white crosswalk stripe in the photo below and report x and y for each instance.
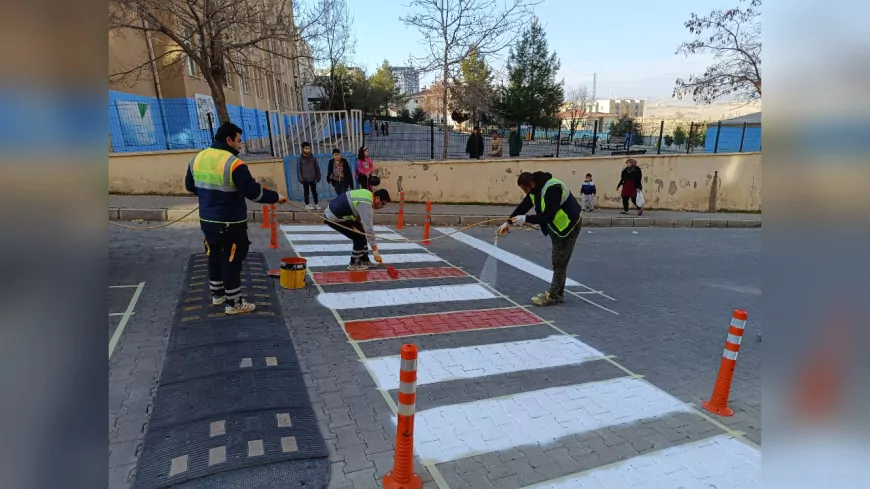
(390, 259)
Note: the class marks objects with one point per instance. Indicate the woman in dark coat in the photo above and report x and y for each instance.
(631, 180)
(338, 173)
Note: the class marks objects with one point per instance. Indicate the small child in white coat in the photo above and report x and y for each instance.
(588, 192)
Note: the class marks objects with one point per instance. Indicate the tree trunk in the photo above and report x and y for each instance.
(220, 100)
(444, 113)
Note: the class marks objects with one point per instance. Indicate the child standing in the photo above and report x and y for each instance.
(338, 172)
(364, 168)
(308, 173)
(588, 192)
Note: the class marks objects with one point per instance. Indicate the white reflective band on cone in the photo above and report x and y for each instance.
(730, 355)
(734, 339)
(407, 387)
(406, 410)
(409, 365)
(738, 323)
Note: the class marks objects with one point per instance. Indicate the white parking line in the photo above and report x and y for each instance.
(126, 317)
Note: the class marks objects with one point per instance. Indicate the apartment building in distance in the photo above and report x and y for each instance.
(407, 79)
(159, 107)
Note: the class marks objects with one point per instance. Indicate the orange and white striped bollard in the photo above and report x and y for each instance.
(273, 231)
(265, 223)
(402, 476)
(427, 224)
(401, 223)
(718, 403)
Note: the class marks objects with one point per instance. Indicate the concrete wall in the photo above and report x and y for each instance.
(695, 182)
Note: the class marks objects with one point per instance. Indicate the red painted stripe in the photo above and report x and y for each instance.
(326, 278)
(439, 323)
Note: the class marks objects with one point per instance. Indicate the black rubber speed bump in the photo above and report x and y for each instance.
(232, 408)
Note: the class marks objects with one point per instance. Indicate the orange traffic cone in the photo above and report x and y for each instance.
(718, 403)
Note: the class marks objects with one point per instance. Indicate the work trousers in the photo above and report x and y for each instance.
(227, 246)
(360, 243)
(625, 203)
(563, 248)
(309, 187)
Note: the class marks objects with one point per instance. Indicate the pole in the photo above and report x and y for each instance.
(432, 139)
(718, 403)
(269, 128)
(210, 126)
(401, 223)
(689, 141)
(718, 132)
(402, 475)
(594, 138)
(630, 136)
(559, 139)
(661, 133)
(742, 137)
(427, 224)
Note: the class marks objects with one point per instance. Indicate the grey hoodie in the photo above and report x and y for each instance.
(307, 169)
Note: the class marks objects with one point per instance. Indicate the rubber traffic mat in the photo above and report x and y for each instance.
(231, 409)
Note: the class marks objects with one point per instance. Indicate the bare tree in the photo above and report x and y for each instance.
(453, 29)
(432, 101)
(221, 37)
(576, 104)
(734, 38)
(335, 48)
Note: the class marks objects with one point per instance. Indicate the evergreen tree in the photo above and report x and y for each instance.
(533, 95)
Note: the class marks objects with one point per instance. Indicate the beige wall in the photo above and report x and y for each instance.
(127, 50)
(696, 182)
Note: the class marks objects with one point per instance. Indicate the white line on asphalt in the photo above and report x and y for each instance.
(126, 317)
(335, 237)
(119, 313)
(480, 361)
(321, 228)
(538, 417)
(123, 286)
(400, 297)
(721, 461)
(389, 259)
(577, 295)
(348, 247)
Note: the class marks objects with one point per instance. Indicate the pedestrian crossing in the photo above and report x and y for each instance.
(555, 428)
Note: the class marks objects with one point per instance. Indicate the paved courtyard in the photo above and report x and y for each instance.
(602, 391)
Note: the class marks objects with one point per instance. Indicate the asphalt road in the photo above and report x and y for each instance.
(665, 302)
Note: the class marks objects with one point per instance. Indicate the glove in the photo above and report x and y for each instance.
(520, 220)
(282, 199)
(503, 229)
(377, 255)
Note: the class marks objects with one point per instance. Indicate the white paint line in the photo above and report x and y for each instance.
(721, 461)
(400, 297)
(389, 259)
(334, 237)
(462, 430)
(348, 247)
(119, 313)
(123, 286)
(479, 361)
(321, 228)
(577, 295)
(511, 259)
(123, 323)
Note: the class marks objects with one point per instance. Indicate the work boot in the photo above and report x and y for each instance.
(367, 262)
(543, 299)
(239, 306)
(218, 300)
(354, 265)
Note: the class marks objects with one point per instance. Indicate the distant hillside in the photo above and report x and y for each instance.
(675, 110)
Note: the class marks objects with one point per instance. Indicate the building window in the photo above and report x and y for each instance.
(192, 68)
(258, 82)
(229, 73)
(246, 87)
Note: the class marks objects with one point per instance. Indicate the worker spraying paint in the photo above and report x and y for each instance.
(354, 210)
(558, 214)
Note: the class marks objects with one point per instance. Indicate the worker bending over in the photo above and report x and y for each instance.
(557, 212)
(354, 209)
(221, 182)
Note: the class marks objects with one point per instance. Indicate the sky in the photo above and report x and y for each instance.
(630, 44)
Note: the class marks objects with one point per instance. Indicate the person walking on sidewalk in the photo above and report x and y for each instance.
(308, 173)
(515, 142)
(221, 183)
(355, 210)
(557, 212)
(631, 181)
(338, 171)
(364, 168)
(474, 145)
(588, 192)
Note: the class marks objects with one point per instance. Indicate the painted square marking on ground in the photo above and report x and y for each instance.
(462, 430)
(358, 276)
(399, 297)
(721, 461)
(348, 247)
(439, 323)
(480, 361)
(319, 228)
(336, 237)
(389, 259)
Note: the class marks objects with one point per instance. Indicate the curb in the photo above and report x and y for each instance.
(157, 215)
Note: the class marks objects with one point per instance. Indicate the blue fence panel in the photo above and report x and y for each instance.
(729, 140)
(324, 189)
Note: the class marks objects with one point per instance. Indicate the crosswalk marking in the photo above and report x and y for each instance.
(462, 430)
(721, 461)
(320, 228)
(481, 361)
(389, 259)
(348, 247)
(292, 237)
(400, 297)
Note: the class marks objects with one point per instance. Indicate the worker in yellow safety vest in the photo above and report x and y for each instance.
(222, 182)
(557, 212)
(352, 214)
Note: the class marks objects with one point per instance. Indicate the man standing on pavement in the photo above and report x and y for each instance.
(308, 173)
(221, 181)
(557, 212)
(355, 210)
(515, 142)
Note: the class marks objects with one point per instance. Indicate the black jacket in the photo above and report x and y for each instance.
(474, 146)
(346, 177)
(634, 173)
(552, 198)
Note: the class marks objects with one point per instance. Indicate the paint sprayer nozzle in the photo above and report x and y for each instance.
(393, 273)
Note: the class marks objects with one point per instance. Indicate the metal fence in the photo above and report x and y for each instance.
(425, 140)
